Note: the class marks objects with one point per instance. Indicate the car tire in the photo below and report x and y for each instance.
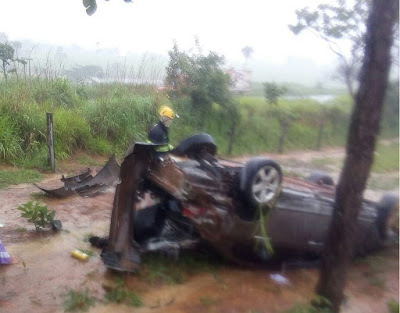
(260, 184)
(321, 178)
(386, 211)
(195, 146)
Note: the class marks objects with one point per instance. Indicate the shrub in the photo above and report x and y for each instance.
(37, 214)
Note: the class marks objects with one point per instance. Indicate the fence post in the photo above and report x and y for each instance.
(50, 141)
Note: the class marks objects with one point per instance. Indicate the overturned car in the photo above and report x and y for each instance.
(246, 212)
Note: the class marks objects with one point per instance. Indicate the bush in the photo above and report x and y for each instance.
(37, 214)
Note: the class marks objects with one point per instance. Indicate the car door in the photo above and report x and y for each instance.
(292, 223)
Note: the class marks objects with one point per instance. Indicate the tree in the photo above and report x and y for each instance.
(85, 73)
(6, 56)
(363, 130)
(199, 77)
(336, 24)
(273, 92)
(247, 52)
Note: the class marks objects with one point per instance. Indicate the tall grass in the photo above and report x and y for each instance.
(108, 118)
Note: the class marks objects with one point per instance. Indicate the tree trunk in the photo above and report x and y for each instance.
(364, 127)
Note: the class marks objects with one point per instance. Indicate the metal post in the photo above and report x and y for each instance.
(50, 142)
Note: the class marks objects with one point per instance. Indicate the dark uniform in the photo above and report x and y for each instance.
(159, 134)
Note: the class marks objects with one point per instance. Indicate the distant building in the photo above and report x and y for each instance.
(240, 80)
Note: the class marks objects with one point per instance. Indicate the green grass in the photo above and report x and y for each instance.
(208, 301)
(109, 118)
(383, 182)
(76, 301)
(393, 306)
(119, 294)
(386, 158)
(90, 253)
(87, 236)
(161, 269)
(20, 176)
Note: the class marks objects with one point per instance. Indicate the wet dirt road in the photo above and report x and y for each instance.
(43, 270)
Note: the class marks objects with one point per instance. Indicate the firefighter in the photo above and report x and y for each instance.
(158, 134)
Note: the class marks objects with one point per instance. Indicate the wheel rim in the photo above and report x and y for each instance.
(265, 184)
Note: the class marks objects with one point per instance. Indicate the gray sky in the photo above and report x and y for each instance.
(223, 26)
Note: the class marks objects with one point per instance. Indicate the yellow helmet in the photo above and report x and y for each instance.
(168, 112)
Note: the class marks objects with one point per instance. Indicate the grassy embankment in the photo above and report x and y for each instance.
(106, 119)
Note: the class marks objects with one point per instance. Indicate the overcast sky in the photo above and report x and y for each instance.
(224, 26)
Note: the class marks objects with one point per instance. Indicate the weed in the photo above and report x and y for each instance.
(208, 301)
(393, 306)
(37, 195)
(78, 301)
(21, 229)
(119, 294)
(87, 236)
(37, 214)
(318, 305)
(17, 177)
(170, 271)
(90, 253)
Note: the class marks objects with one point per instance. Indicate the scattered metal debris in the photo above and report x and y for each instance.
(85, 184)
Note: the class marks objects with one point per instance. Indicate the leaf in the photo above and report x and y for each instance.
(90, 5)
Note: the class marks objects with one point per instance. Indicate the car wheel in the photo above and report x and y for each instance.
(321, 178)
(260, 183)
(196, 146)
(387, 209)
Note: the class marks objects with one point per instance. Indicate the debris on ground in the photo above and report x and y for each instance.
(85, 184)
(79, 255)
(4, 256)
(278, 278)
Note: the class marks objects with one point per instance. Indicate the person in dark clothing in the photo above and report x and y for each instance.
(158, 134)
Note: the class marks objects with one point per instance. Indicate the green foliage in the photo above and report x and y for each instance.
(109, 118)
(121, 119)
(158, 268)
(37, 214)
(273, 92)
(85, 73)
(6, 56)
(208, 301)
(10, 143)
(17, 177)
(393, 306)
(76, 301)
(120, 294)
(390, 116)
(199, 77)
(318, 305)
(386, 158)
(90, 253)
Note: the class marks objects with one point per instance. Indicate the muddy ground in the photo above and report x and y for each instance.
(43, 271)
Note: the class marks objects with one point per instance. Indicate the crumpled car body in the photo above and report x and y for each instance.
(246, 212)
(85, 184)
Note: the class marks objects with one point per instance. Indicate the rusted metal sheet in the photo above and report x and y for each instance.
(122, 253)
(85, 184)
